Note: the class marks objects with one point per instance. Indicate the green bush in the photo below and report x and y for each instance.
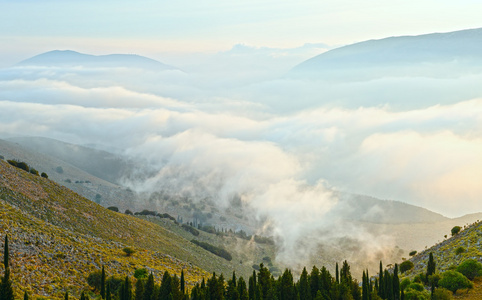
(128, 251)
(44, 175)
(453, 281)
(405, 283)
(34, 172)
(411, 294)
(215, 250)
(416, 286)
(190, 229)
(412, 253)
(455, 230)
(459, 250)
(22, 165)
(470, 268)
(442, 294)
(141, 273)
(405, 266)
(113, 208)
(94, 280)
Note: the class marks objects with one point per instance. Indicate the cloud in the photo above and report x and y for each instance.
(285, 147)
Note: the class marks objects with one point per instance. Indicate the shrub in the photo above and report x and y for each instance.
(2, 157)
(459, 250)
(405, 266)
(141, 273)
(146, 212)
(23, 166)
(453, 281)
(113, 208)
(128, 251)
(68, 180)
(405, 283)
(416, 286)
(455, 230)
(94, 280)
(128, 212)
(411, 294)
(263, 240)
(33, 171)
(214, 250)
(12, 162)
(44, 175)
(162, 216)
(442, 294)
(114, 283)
(470, 268)
(190, 229)
(412, 253)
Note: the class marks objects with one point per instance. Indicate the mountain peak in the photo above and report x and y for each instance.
(70, 58)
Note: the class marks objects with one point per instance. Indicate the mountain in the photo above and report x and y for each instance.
(75, 168)
(102, 164)
(437, 55)
(69, 58)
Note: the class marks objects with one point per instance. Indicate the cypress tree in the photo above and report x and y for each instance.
(82, 296)
(139, 289)
(125, 291)
(388, 279)
(304, 286)
(149, 288)
(242, 289)
(381, 282)
(364, 287)
(102, 283)
(107, 293)
(182, 282)
(165, 288)
(396, 284)
(337, 274)
(430, 266)
(66, 296)
(25, 296)
(252, 287)
(314, 281)
(6, 290)
(5, 252)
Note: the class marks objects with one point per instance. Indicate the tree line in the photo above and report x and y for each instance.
(318, 284)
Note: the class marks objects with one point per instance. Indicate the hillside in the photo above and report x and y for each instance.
(449, 254)
(436, 55)
(445, 254)
(71, 173)
(52, 207)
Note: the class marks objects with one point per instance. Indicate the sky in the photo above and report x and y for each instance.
(164, 29)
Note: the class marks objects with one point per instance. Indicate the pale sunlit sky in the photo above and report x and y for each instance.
(154, 28)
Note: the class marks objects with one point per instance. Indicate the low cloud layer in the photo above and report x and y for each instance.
(285, 146)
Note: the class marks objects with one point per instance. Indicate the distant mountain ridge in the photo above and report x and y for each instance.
(418, 53)
(69, 58)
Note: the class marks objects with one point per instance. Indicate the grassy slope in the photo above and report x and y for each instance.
(446, 257)
(51, 207)
(47, 260)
